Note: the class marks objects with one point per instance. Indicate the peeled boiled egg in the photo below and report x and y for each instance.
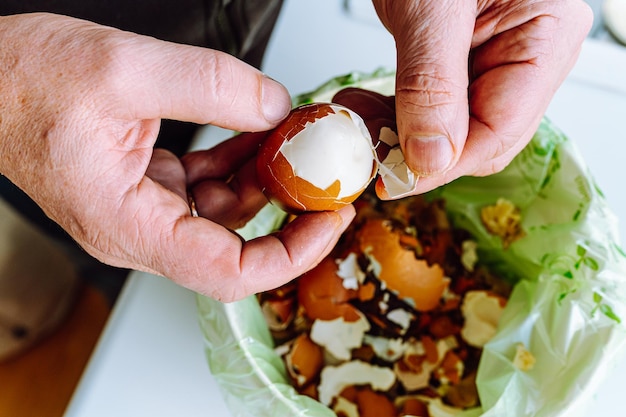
(321, 157)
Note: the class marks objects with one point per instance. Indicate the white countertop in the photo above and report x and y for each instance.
(150, 359)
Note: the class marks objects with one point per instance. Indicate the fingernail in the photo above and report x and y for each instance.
(275, 100)
(428, 155)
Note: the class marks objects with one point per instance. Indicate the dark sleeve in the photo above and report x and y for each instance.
(241, 28)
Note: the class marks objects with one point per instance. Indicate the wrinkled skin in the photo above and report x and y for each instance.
(474, 78)
(80, 114)
(82, 105)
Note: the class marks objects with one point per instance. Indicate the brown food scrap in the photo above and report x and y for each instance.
(464, 394)
(400, 212)
(414, 408)
(409, 241)
(437, 245)
(304, 361)
(429, 216)
(412, 362)
(432, 355)
(364, 353)
(443, 326)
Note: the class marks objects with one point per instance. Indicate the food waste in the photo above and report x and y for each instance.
(393, 321)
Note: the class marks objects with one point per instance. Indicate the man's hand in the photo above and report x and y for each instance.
(80, 113)
(474, 78)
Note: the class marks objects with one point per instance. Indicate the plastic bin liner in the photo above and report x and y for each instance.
(568, 306)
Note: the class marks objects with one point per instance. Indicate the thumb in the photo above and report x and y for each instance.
(433, 40)
(171, 81)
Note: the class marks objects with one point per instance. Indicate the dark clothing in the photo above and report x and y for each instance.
(241, 28)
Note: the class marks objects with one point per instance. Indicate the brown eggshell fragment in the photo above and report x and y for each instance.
(349, 393)
(374, 404)
(278, 313)
(400, 270)
(413, 407)
(430, 348)
(451, 369)
(367, 291)
(304, 361)
(310, 391)
(464, 394)
(322, 295)
(321, 157)
(344, 408)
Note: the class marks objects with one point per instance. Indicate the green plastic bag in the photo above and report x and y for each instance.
(568, 306)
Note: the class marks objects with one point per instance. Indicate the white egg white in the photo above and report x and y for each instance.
(336, 147)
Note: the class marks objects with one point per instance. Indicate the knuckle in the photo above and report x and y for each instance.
(219, 79)
(428, 87)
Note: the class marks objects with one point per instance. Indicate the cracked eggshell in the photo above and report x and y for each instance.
(350, 272)
(279, 313)
(339, 336)
(374, 404)
(334, 379)
(304, 361)
(322, 294)
(398, 268)
(395, 176)
(321, 157)
(420, 359)
(451, 369)
(385, 348)
(410, 406)
(344, 407)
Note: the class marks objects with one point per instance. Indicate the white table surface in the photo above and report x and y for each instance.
(150, 359)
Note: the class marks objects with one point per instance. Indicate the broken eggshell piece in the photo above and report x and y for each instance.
(396, 177)
(335, 378)
(414, 281)
(322, 157)
(304, 360)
